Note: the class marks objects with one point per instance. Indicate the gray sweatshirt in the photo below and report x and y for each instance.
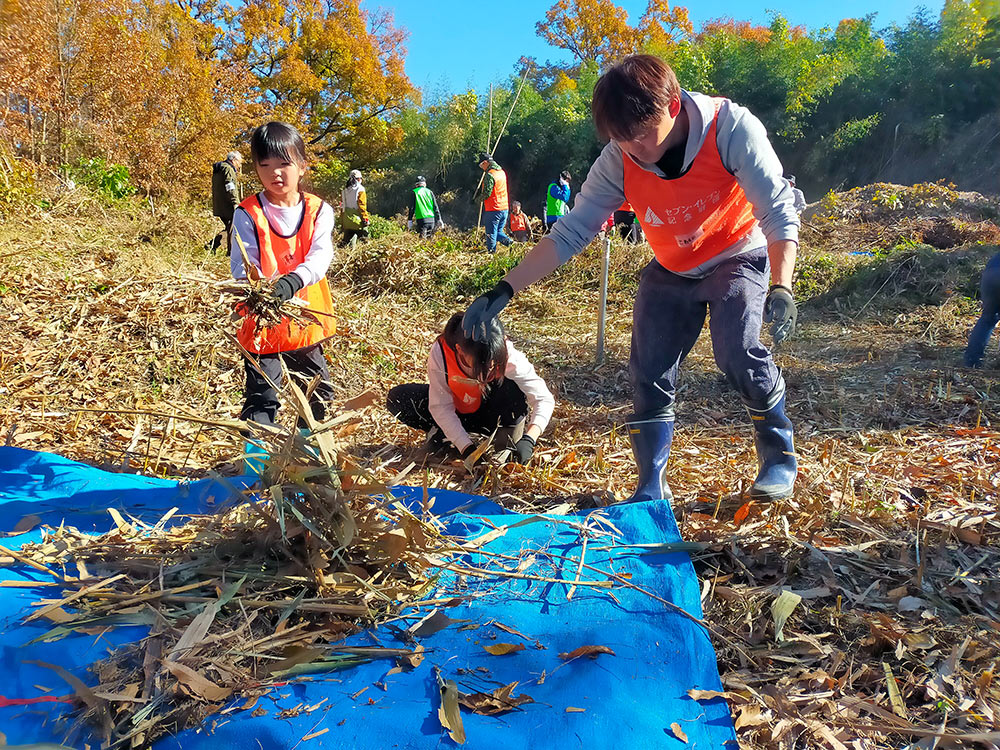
(745, 151)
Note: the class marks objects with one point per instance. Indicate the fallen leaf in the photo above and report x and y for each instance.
(432, 623)
(781, 608)
(500, 701)
(678, 732)
(574, 710)
(503, 649)
(591, 651)
(25, 524)
(412, 661)
(707, 695)
(752, 716)
(743, 512)
(196, 684)
(448, 711)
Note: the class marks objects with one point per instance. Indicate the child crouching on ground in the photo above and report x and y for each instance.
(476, 386)
(287, 235)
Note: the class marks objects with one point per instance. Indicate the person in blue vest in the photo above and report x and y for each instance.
(557, 199)
(989, 293)
(424, 214)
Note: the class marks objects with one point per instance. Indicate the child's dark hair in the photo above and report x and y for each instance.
(489, 356)
(277, 140)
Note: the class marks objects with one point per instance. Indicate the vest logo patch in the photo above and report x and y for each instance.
(652, 219)
(468, 399)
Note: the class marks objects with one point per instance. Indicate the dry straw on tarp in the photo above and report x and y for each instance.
(236, 601)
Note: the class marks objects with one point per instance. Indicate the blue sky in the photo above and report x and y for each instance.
(458, 44)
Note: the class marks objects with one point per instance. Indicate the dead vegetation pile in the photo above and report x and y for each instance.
(891, 541)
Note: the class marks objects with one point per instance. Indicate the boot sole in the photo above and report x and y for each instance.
(770, 497)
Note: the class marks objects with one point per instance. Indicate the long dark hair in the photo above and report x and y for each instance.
(489, 356)
(277, 140)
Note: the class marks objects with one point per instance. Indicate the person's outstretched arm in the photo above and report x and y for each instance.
(601, 193)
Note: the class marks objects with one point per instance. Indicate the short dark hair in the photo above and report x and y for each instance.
(632, 96)
(489, 356)
(277, 140)
(564, 175)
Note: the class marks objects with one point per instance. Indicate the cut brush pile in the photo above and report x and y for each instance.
(237, 600)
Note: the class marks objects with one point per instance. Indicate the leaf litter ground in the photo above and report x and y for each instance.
(862, 613)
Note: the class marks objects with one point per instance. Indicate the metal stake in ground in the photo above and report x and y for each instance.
(602, 313)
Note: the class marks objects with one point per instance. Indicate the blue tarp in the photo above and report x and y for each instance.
(628, 700)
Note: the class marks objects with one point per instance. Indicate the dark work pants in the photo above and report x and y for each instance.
(353, 235)
(989, 292)
(425, 227)
(669, 314)
(261, 400)
(628, 227)
(224, 235)
(503, 406)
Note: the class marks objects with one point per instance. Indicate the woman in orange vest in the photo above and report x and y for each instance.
(288, 237)
(520, 224)
(476, 387)
(708, 190)
(493, 193)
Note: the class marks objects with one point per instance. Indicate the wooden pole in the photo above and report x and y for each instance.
(602, 313)
(517, 96)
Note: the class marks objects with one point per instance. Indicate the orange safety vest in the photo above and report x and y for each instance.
(518, 222)
(280, 255)
(467, 393)
(497, 199)
(695, 217)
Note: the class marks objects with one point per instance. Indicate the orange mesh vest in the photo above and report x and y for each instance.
(466, 392)
(280, 255)
(517, 222)
(497, 200)
(695, 217)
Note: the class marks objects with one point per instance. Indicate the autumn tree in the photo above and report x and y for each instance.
(590, 30)
(329, 67)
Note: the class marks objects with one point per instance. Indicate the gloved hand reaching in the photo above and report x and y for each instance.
(484, 308)
(286, 287)
(780, 311)
(524, 449)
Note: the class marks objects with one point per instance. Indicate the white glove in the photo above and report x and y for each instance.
(409, 224)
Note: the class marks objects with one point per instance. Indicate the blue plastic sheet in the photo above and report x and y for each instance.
(629, 699)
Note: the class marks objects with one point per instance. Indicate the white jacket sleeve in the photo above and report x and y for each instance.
(441, 403)
(320, 256)
(539, 397)
(244, 227)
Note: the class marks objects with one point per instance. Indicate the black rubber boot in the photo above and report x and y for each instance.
(651, 441)
(775, 448)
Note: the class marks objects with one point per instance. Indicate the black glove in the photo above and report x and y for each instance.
(780, 312)
(484, 309)
(286, 287)
(524, 449)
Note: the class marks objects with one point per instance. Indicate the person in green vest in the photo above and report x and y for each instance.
(424, 214)
(557, 199)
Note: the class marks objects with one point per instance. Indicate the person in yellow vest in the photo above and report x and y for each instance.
(519, 223)
(354, 217)
(476, 387)
(493, 193)
(707, 188)
(288, 237)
